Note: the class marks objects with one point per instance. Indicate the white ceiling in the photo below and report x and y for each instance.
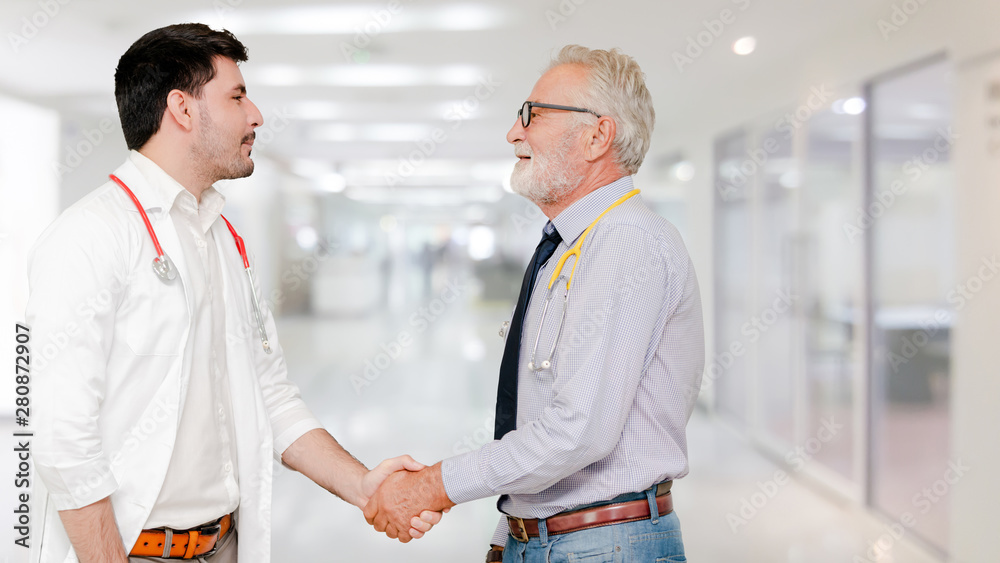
(364, 104)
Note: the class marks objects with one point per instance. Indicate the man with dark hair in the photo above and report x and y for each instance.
(159, 415)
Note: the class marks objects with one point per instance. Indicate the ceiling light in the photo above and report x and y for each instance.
(356, 20)
(744, 45)
(790, 179)
(306, 237)
(331, 182)
(353, 75)
(854, 106)
(375, 132)
(683, 171)
(849, 106)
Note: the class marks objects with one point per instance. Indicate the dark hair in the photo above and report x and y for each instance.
(180, 57)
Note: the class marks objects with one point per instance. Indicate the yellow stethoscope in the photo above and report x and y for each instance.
(165, 270)
(556, 274)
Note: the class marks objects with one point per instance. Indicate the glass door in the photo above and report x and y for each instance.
(913, 294)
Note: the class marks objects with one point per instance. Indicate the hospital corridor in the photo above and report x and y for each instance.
(833, 169)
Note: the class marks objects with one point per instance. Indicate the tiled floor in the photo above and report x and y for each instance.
(437, 395)
(432, 396)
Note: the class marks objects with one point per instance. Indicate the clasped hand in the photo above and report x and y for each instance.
(408, 503)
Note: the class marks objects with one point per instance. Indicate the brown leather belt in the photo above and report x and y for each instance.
(182, 544)
(617, 513)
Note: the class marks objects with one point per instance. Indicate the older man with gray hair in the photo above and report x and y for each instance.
(603, 350)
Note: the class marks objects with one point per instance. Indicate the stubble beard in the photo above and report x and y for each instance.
(217, 159)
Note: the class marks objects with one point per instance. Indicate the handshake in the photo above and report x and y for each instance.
(404, 498)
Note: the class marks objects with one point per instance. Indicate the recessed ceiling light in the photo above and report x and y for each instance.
(744, 45)
(849, 106)
(683, 171)
(353, 75)
(854, 106)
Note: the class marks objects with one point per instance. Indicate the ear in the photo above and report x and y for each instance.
(180, 109)
(601, 138)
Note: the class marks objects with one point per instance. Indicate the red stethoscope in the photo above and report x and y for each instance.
(164, 268)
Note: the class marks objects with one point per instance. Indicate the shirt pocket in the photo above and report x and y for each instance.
(154, 315)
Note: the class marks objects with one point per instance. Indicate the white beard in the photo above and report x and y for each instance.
(544, 180)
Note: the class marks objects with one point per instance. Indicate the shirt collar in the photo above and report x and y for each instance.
(577, 217)
(173, 195)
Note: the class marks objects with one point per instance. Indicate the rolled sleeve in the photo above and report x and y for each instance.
(77, 321)
(290, 426)
(76, 486)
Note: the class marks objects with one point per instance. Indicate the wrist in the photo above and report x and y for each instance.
(442, 500)
(351, 487)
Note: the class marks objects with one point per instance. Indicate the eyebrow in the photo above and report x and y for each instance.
(241, 88)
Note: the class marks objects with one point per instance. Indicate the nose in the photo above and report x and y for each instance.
(254, 116)
(516, 132)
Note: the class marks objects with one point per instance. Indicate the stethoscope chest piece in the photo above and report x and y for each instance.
(164, 268)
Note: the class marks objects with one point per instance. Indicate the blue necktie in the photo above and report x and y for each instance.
(506, 413)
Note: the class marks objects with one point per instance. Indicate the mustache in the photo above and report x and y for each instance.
(522, 149)
(249, 138)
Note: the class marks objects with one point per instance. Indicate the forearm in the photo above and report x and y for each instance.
(94, 533)
(317, 455)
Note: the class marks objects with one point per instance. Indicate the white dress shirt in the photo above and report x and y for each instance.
(200, 484)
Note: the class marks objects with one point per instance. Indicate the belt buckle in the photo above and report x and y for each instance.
(208, 530)
(523, 536)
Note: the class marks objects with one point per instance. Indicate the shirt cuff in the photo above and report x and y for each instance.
(501, 534)
(290, 426)
(464, 478)
(93, 481)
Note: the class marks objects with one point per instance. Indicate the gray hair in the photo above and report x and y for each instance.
(617, 88)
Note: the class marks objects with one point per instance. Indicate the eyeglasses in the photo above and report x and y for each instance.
(525, 112)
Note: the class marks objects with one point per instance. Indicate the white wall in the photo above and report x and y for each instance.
(965, 31)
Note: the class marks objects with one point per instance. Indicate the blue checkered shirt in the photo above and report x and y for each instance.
(608, 417)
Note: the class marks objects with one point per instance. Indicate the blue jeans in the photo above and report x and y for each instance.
(657, 540)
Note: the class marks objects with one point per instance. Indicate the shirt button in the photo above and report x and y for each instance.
(201, 243)
(228, 467)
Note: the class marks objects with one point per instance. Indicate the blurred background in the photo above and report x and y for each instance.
(833, 167)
